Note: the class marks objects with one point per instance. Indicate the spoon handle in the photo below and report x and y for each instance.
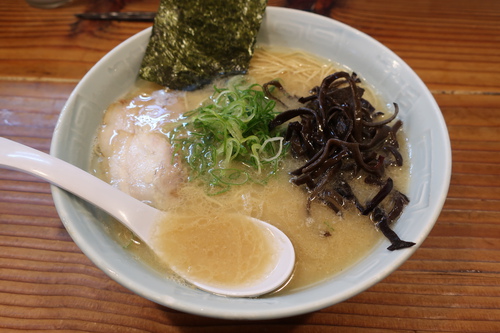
(137, 216)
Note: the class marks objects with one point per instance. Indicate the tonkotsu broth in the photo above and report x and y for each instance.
(214, 248)
(325, 243)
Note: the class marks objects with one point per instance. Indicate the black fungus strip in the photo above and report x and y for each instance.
(320, 187)
(335, 161)
(328, 200)
(400, 202)
(322, 95)
(377, 199)
(288, 115)
(398, 158)
(358, 157)
(381, 220)
(325, 156)
(381, 134)
(270, 94)
(345, 190)
(304, 179)
(385, 121)
(338, 135)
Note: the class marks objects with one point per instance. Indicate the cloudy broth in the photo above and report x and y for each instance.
(325, 243)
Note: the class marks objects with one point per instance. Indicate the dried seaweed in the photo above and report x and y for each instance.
(194, 41)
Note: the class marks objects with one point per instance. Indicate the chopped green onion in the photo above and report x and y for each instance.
(228, 141)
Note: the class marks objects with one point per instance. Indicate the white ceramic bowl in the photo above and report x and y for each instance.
(430, 166)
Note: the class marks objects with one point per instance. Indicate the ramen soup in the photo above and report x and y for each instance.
(134, 154)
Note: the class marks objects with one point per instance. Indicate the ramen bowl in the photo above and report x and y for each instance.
(430, 167)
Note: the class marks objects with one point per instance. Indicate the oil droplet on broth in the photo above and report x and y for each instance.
(215, 249)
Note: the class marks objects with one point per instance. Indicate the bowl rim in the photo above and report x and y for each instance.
(290, 309)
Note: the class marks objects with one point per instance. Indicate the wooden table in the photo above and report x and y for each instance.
(451, 283)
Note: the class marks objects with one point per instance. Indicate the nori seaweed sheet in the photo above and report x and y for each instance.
(194, 41)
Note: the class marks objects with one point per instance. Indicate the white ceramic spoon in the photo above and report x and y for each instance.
(139, 217)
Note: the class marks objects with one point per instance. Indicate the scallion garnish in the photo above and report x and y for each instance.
(228, 141)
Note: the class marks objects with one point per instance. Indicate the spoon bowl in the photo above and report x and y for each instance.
(141, 218)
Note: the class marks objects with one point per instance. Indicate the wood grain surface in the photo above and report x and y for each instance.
(451, 283)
